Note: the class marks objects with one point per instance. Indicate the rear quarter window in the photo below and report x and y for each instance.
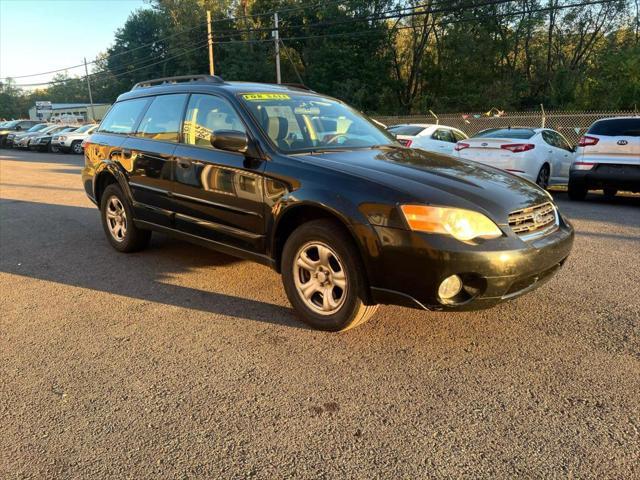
(123, 116)
(619, 127)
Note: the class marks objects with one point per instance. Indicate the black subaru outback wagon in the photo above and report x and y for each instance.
(303, 183)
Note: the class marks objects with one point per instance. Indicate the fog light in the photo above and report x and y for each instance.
(450, 287)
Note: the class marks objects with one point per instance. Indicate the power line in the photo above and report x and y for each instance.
(445, 22)
(351, 33)
(198, 25)
(121, 74)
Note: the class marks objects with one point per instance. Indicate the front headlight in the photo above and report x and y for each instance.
(461, 224)
(62, 138)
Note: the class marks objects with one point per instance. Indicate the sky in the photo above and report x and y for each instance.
(42, 35)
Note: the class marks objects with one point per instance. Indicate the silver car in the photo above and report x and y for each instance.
(72, 141)
(607, 158)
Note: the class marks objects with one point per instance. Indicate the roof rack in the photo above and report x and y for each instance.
(300, 86)
(180, 79)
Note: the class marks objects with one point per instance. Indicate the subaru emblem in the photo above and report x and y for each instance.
(622, 142)
(484, 144)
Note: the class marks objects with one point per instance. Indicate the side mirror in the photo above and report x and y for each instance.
(18, 128)
(574, 148)
(230, 140)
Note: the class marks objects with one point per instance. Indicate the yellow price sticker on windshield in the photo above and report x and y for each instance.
(256, 97)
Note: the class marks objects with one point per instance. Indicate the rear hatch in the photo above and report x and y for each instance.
(611, 141)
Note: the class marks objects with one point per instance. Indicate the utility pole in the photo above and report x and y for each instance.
(210, 40)
(276, 37)
(86, 72)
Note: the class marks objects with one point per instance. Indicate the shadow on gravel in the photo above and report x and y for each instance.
(66, 244)
(72, 160)
(595, 208)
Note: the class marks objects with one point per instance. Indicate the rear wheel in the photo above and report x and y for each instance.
(610, 192)
(117, 222)
(323, 277)
(543, 177)
(577, 191)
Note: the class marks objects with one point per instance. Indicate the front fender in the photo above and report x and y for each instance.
(332, 204)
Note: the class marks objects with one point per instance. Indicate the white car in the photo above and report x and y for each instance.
(540, 155)
(429, 137)
(607, 158)
(72, 141)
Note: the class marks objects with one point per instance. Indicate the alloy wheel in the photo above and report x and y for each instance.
(116, 218)
(320, 278)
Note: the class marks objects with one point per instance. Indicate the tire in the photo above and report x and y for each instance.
(577, 191)
(543, 177)
(349, 307)
(115, 212)
(54, 149)
(76, 147)
(609, 193)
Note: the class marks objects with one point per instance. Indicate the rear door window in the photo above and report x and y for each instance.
(161, 121)
(443, 135)
(123, 117)
(619, 127)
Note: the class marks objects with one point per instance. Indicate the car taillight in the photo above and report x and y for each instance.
(406, 143)
(460, 146)
(586, 141)
(582, 165)
(518, 147)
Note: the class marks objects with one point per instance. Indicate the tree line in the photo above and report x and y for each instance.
(382, 56)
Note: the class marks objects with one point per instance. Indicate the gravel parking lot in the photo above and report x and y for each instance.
(180, 362)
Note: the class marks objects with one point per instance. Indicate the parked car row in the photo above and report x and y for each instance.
(607, 157)
(52, 137)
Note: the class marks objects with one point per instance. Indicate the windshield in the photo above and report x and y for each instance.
(84, 128)
(521, 133)
(50, 128)
(11, 124)
(298, 122)
(38, 127)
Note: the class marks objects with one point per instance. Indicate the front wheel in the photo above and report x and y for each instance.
(54, 148)
(324, 278)
(543, 177)
(117, 222)
(76, 147)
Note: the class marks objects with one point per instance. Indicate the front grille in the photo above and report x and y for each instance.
(534, 221)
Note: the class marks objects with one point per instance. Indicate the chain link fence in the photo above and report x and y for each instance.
(571, 124)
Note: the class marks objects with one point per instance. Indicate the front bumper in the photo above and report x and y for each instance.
(412, 265)
(603, 175)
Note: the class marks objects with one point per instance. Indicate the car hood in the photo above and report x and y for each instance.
(437, 179)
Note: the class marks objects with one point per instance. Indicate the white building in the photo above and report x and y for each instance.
(70, 112)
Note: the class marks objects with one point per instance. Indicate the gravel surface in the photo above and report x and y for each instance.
(180, 362)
